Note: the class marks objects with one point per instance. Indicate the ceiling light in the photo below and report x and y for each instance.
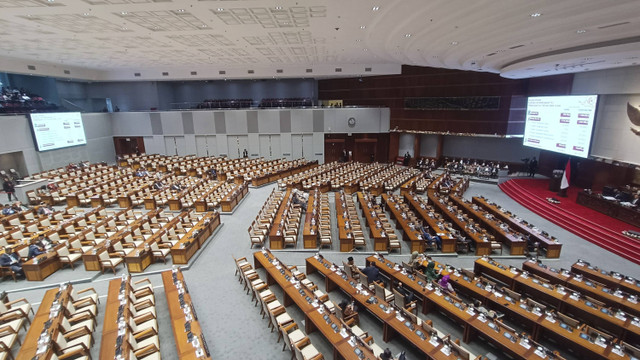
(358, 40)
(365, 49)
(376, 8)
(220, 9)
(180, 10)
(363, 27)
(454, 43)
(85, 14)
(124, 28)
(581, 31)
(123, 13)
(50, 0)
(536, 15)
(203, 26)
(407, 35)
(278, 7)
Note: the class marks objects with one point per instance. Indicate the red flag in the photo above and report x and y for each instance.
(566, 176)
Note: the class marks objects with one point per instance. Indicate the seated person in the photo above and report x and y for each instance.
(415, 261)
(372, 272)
(349, 311)
(12, 260)
(45, 209)
(431, 239)
(353, 266)
(446, 286)
(35, 249)
(430, 271)
(408, 294)
(8, 210)
(44, 243)
(158, 185)
(175, 186)
(18, 207)
(213, 172)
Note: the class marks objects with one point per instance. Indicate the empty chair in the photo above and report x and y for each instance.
(68, 258)
(108, 262)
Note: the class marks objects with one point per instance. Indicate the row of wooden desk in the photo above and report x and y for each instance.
(610, 208)
(552, 246)
(232, 199)
(515, 279)
(393, 322)
(195, 238)
(310, 227)
(371, 212)
(482, 245)
(473, 324)
(316, 316)
(564, 301)
(345, 235)
(276, 234)
(610, 279)
(403, 219)
(517, 245)
(187, 331)
(428, 216)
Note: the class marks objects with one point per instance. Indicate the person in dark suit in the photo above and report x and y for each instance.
(245, 153)
(35, 250)
(12, 260)
(533, 167)
(8, 187)
(372, 272)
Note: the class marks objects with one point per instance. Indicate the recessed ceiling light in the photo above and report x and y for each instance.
(376, 8)
(536, 15)
(220, 9)
(454, 43)
(363, 27)
(407, 35)
(582, 31)
(123, 13)
(180, 10)
(358, 40)
(203, 26)
(365, 49)
(278, 7)
(85, 14)
(124, 28)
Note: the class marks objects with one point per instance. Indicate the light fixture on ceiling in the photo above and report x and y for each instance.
(203, 25)
(85, 14)
(124, 28)
(358, 40)
(407, 35)
(180, 10)
(534, 15)
(123, 13)
(454, 43)
(376, 8)
(363, 27)
(365, 49)
(220, 9)
(581, 31)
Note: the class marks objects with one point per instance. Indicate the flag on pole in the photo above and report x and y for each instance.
(566, 176)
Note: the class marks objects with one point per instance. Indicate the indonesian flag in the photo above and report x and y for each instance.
(566, 176)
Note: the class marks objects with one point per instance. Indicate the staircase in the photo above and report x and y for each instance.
(606, 238)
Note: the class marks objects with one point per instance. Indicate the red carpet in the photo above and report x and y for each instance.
(591, 225)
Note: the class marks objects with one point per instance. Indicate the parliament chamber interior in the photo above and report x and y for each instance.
(364, 180)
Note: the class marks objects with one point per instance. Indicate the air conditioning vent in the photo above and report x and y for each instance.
(222, 72)
(31, 67)
(194, 73)
(136, 74)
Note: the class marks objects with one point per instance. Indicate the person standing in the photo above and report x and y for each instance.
(533, 166)
(8, 187)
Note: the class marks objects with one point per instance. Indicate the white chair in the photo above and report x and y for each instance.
(66, 257)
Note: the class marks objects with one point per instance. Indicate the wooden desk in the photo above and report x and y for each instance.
(310, 227)
(609, 208)
(184, 348)
(304, 299)
(398, 213)
(370, 213)
(110, 324)
(459, 312)
(517, 245)
(29, 346)
(483, 247)
(552, 246)
(393, 323)
(448, 241)
(347, 242)
(193, 240)
(41, 266)
(276, 235)
(629, 285)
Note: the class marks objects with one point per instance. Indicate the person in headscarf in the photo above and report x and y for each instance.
(446, 286)
(431, 272)
(414, 262)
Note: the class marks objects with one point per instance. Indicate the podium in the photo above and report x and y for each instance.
(556, 179)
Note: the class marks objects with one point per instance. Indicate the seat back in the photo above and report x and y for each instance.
(379, 291)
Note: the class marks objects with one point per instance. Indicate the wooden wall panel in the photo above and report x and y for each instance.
(391, 90)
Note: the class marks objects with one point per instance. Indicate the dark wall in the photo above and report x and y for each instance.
(362, 146)
(390, 91)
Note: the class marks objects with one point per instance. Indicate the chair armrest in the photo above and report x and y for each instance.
(141, 281)
(75, 250)
(73, 334)
(75, 353)
(88, 289)
(81, 316)
(143, 318)
(145, 333)
(22, 300)
(289, 327)
(147, 350)
(143, 305)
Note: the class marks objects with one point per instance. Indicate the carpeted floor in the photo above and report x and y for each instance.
(540, 188)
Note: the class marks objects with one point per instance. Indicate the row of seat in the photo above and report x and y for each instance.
(261, 226)
(311, 178)
(293, 337)
(377, 219)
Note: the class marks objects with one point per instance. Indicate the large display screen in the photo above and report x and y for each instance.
(57, 130)
(561, 123)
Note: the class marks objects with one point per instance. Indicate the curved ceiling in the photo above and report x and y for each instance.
(195, 39)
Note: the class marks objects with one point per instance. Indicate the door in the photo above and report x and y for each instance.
(206, 146)
(181, 146)
(307, 146)
(296, 146)
(333, 149)
(364, 149)
(170, 147)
